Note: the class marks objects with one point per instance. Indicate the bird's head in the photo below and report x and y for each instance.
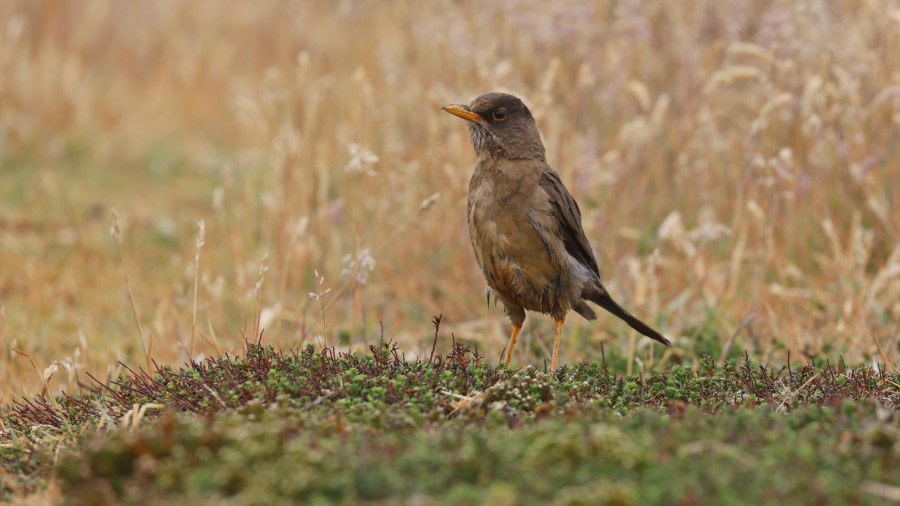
(501, 126)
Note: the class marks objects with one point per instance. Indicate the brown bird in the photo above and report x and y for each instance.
(525, 226)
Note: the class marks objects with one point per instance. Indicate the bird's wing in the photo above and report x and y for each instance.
(569, 221)
(568, 217)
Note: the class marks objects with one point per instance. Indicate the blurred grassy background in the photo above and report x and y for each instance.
(736, 164)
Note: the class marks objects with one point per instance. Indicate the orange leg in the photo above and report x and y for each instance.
(512, 343)
(555, 361)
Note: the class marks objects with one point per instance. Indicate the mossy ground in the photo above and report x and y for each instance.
(318, 427)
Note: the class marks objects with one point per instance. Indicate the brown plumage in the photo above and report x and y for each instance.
(525, 226)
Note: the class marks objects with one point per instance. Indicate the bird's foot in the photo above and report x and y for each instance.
(555, 361)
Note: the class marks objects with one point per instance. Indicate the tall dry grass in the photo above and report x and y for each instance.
(736, 164)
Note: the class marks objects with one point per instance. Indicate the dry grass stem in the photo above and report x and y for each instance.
(201, 239)
(117, 235)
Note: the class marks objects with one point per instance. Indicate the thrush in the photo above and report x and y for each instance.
(525, 226)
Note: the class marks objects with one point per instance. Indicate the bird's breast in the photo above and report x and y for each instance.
(513, 256)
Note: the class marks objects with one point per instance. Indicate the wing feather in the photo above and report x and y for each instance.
(568, 217)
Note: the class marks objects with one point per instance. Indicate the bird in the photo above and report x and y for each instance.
(525, 226)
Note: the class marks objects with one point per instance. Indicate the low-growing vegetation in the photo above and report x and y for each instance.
(269, 426)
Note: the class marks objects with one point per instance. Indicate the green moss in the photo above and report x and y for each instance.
(270, 427)
(590, 457)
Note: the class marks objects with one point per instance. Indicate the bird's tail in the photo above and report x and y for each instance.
(602, 299)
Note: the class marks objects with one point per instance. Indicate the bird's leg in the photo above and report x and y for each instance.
(559, 327)
(512, 343)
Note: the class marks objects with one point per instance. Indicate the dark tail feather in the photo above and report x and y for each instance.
(584, 310)
(602, 299)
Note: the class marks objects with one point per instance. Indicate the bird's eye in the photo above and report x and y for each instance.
(500, 114)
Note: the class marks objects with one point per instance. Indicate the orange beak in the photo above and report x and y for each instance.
(463, 111)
